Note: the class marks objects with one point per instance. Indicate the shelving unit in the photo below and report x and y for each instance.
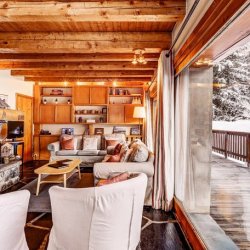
(119, 110)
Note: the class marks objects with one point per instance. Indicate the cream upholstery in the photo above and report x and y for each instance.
(99, 218)
(13, 213)
(103, 170)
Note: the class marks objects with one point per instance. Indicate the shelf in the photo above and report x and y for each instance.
(125, 104)
(56, 96)
(89, 105)
(89, 114)
(52, 104)
(139, 95)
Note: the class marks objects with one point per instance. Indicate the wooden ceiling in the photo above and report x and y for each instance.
(89, 41)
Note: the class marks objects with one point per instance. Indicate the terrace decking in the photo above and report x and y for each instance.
(230, 199)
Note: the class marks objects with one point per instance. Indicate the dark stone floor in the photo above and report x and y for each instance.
(160, 230)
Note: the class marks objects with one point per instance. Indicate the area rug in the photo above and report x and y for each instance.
(41, 203)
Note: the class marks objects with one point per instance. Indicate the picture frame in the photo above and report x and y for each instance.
(67, 131)
(99, 131)
(135, 131)
(4, 101)
(119, 130)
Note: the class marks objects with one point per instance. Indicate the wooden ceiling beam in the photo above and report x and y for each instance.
(85, 42)
(98, 11)
(77, 57)
(83, 73)
(77, 66)
(86, 79)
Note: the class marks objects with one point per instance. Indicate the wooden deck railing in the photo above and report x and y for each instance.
(232, 144)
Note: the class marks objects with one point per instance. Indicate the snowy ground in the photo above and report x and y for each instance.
(241, 125)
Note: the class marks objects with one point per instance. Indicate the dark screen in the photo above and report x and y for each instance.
(15, 129)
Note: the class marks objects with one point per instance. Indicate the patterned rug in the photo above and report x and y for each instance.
(41, 203)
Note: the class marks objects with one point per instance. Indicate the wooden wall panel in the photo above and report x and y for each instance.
(215, 17)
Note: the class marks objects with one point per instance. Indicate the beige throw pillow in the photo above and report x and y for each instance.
(90, 143)
(139, 153)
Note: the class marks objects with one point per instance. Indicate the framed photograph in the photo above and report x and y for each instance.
(119, 130)
(135, 131)
(4, 101)
(67, 131)
(104, 110)
(99, 131)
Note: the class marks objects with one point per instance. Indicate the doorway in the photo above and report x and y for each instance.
(24, 103)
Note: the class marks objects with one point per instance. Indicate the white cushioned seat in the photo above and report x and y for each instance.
(66, 152)
(98, 218)
(88, 152)
(102, 152)
(13, 214)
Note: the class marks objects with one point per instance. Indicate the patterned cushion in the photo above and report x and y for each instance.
(118, 178)
(126, 154)
(90, 143)
(114, 158)
(139, 153)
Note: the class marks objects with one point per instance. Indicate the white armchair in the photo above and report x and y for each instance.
(13, 213)
(99, 218)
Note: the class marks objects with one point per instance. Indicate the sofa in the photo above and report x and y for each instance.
(88, 157)
(103, 170)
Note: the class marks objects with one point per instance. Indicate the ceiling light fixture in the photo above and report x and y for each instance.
(139, 57)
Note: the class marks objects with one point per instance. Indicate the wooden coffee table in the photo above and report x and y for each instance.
(57, 175)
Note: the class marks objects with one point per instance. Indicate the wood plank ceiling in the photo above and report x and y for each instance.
(89, 41)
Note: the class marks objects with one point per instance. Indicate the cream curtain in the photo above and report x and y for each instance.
(148, 121)
(164, 141)
(182, 154)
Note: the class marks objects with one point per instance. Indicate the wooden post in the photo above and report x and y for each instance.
(226, 134)
(248, 150)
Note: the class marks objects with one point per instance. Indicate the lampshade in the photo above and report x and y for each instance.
(139, 112)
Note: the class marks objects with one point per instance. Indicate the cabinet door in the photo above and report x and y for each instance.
(98, 95)
(116, 114)
(63, 114)
(47, 113)
(81, 95)
(44, 140)
(129, 111)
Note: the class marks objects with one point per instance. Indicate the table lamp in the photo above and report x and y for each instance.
(139, 112)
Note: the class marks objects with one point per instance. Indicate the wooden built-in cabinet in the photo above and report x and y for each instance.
(50, 113)
(90, 95)
(47, 113)
(81, 95)
(116, 114)
(98, 95)
(129, 111)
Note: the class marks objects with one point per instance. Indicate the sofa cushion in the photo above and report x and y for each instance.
(111, 142)
(139, 154)
(117, 137)
(94, 136)
(115, 179)
(102, 152)
(66, 152)
(114, 158)
(67, 142)
(87, 152)
(90, 143)
(126, 154)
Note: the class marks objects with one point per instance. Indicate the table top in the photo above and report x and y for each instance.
(45, 169)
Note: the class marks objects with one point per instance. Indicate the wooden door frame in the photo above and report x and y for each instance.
(32, 103)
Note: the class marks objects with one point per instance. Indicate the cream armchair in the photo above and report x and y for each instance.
(13, 214)
(99, 218)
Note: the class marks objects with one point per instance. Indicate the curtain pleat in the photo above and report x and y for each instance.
(164, 142)
(148, 121)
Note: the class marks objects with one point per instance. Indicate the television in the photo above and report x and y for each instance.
(15, 129)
